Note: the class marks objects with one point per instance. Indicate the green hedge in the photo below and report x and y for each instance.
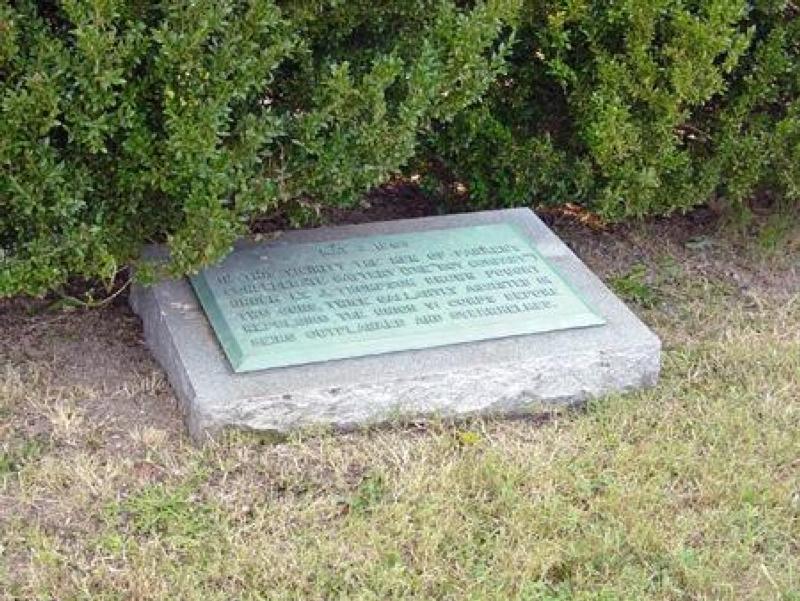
(637, 107)
(125, 121)
(129, 121)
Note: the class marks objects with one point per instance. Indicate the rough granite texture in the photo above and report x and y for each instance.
(501, 376)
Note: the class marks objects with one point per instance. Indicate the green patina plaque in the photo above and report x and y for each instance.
(292, 303)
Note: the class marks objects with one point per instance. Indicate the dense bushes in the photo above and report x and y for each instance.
(125, 121)
(637, 107)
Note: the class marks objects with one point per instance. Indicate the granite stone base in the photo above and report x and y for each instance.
(504, 376)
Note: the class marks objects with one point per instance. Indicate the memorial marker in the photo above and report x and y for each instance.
(455, 315)
(301, 303)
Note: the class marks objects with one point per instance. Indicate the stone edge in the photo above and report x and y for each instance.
(591, 374)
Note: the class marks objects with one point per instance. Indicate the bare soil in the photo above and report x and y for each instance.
(103, 348)
(690, 490)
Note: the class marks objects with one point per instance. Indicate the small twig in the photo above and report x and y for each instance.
(97, 304)
(770, 578)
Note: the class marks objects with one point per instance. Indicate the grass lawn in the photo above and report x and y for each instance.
(688, 491)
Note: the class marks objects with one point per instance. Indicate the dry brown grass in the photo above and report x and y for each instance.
(688, 491)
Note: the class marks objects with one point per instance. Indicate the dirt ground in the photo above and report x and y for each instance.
(104, 349)
(688, 491)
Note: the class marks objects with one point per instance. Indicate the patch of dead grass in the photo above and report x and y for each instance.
(687, 491)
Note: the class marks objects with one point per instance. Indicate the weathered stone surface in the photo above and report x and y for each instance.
(508, 375)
